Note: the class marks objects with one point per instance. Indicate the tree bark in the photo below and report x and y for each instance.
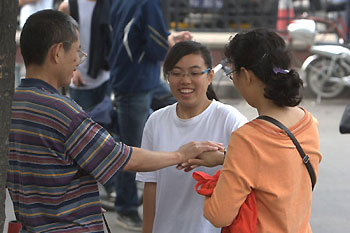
(8, 22)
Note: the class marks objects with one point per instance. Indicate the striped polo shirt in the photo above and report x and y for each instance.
(56, 156)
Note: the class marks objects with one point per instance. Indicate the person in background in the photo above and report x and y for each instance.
(57, 153)
(89, 84)
(261, 158)
(170, 202)
(140, 42)
(28, 7)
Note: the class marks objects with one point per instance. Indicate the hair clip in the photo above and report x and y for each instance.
(278, 70)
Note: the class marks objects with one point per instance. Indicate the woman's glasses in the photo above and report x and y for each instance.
(230, 74)
(177, 74)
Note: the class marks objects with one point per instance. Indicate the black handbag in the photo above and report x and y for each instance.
(344, 126)
(304, 156)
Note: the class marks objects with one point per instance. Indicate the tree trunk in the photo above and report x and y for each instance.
(8, 22)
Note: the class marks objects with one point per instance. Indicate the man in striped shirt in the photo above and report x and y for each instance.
(57, 154)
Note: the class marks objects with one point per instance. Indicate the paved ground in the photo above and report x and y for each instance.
(331, 201)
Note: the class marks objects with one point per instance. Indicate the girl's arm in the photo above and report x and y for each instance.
(64, 7)
(149, 206)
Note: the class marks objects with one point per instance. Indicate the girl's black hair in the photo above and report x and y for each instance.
(265, 53)
(184, 48)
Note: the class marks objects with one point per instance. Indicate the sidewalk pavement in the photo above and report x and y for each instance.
(331, 200)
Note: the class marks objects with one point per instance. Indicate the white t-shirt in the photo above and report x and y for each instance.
(86, 8)
(30, 8)
(178, 206)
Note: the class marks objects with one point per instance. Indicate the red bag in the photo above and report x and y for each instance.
(14, 227)
(247, 217)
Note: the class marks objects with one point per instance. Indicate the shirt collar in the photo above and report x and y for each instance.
(38, 83)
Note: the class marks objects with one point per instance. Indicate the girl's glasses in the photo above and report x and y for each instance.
(177, 74)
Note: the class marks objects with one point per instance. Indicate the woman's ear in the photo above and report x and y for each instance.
(246, 75)
(210, 76)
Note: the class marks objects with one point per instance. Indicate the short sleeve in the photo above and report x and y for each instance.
(94, 150)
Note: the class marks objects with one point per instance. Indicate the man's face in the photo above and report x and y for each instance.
(70, 62)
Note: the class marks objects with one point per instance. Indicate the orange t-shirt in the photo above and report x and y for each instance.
(261, 157)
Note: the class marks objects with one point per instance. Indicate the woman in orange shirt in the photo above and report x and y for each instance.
(260, 157)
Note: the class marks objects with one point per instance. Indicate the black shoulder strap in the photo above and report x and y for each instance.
(304, 157)
(73, 9)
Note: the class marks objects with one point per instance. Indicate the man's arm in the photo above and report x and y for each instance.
(142, 160)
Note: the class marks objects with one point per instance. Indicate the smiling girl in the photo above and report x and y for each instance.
(171, 204)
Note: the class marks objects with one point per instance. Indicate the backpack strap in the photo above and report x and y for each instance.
(304, 157)
(73, 8)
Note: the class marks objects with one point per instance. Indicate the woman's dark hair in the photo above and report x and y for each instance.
(44, 29)
(184, 48)
(267, 56)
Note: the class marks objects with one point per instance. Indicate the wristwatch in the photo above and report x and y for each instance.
(225, 150)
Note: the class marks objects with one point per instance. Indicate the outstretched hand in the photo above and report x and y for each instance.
(207, 159)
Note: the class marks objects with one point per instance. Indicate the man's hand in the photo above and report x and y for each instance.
(78, 79)
(207, 159)
(179, 36)
(193, 149)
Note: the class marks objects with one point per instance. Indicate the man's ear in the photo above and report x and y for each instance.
(55, 52)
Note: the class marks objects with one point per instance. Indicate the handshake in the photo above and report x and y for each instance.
(195, 154)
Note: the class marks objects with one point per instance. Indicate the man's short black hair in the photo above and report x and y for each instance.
(44, 29)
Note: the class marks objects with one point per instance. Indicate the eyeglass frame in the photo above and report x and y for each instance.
(230, 74)
(81, 54)
(189, 75)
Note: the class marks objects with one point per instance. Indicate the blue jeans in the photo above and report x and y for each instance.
(133, 111)
(87, 99)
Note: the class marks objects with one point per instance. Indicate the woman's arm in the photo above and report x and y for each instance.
(149, 206)
(234, 184)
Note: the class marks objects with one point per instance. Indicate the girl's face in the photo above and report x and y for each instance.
(189, 80)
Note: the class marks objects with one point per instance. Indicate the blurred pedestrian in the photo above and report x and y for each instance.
(89, 84)
(140, 42)
(29, 7)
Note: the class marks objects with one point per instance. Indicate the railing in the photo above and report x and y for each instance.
(220, 15)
